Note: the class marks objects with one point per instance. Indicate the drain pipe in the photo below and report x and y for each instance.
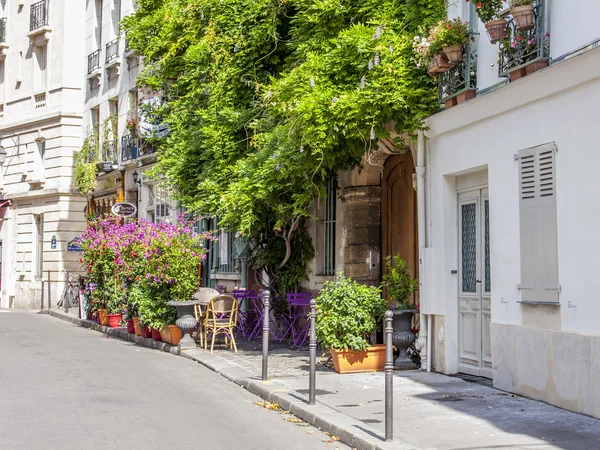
(420, 170)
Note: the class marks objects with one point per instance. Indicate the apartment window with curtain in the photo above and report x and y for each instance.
(329, 228)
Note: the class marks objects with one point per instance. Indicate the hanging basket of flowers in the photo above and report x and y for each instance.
(452, 36)
(489, 13)
(522, 12)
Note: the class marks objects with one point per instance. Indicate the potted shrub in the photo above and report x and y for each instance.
(522, 12)
(347, 313)
(488, 11)
(451, 36)
(399, 286)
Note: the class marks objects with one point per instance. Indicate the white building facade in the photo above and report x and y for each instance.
(509, 245)
(40, 128)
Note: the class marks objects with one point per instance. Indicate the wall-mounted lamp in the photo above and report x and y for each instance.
(2, 155)
(136, 178)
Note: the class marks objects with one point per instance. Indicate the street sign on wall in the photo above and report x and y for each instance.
(124, 209)
(73, 246)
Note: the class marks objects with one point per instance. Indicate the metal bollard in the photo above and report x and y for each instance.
(389, 377)
(42, 305)
(265, 343)
(312, 345)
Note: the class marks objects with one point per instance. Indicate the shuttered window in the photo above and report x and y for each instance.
(538, 225)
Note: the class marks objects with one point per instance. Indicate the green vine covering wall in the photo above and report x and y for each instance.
(85, 169)
(267, 98)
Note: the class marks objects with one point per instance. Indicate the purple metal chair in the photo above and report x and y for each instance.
(246, 314)
(299, 308)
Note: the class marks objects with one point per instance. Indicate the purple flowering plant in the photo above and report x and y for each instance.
(159, 261)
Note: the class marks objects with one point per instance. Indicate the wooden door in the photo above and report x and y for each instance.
(474, 284)
(399, 213)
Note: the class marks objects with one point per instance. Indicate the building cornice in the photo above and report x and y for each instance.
(28, 121)
(40, 193)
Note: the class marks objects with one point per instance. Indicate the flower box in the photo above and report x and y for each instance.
(349, 361)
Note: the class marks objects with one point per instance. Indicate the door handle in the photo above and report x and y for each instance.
(477, 281)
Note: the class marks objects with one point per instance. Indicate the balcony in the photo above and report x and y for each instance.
(39, 25)
(526, 47)
(129, 148)
(459, 83)
(93, 67)
(145, 148)
(112, 56)
(109, 156)
(3, 43)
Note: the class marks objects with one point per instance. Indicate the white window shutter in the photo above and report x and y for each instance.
(539, 242)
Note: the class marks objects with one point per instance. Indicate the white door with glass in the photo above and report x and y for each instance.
(474, 282)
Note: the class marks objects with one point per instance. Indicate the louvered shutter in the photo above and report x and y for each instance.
(537, 207)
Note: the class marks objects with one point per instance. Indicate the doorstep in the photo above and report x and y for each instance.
(351, 431)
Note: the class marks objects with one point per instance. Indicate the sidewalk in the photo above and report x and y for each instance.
(431, 411)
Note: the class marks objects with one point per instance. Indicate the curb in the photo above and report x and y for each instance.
(359, 435)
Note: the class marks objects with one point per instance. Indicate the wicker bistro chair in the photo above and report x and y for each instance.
(220, 317)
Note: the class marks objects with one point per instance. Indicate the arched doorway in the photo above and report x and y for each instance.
(399, 212)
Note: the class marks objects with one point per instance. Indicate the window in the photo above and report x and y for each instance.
(98, 8)
(329, 228)
(538, 227)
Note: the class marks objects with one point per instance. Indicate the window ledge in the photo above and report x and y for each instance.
(539, 303)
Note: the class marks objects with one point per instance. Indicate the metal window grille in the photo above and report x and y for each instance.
(39, 15)
(112, 50)
(3, 29)
(94, 61)
(329, 229)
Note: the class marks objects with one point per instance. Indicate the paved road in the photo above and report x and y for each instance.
(65, 387)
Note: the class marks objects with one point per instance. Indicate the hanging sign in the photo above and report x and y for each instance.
(74, 245)
(124, 209)
(53, 243)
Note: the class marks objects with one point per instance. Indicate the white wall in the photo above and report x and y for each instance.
(550, 106)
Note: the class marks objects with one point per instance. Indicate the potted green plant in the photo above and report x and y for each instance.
(488, 11)
(399, 286)
(347, 312)
(522, 12)
(452, 36)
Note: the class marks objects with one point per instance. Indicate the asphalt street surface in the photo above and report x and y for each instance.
(66, 387)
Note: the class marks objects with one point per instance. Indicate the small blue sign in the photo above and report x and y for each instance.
(74, 246)
(53, 243)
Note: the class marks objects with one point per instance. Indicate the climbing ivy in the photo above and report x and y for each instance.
(266, 99)
(85, 169)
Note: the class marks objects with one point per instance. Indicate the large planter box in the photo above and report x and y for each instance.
(350, 361)
(171, 334)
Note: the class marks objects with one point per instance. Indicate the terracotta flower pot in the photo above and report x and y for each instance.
(523, 16)
(114, 320)
(439, 64)
(175, 333)
(496, 29)
(155, 335)
(136, 326)
(350, 361)
(165, 334)
(454, 53)
(102, 317)
(130, 327)
(146, 332)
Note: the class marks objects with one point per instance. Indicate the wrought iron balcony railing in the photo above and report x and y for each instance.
(110, 151)
(39, 15)
(94, 62)
(129, 148)
(3, 29)
(146, 148)
(461, 77)
(112, 50)
(522, 47)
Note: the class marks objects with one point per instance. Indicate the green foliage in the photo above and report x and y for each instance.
(347, 312)
(450, 32)
(489, 9)
(85, 169)
(266, 99)
(398, 282)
